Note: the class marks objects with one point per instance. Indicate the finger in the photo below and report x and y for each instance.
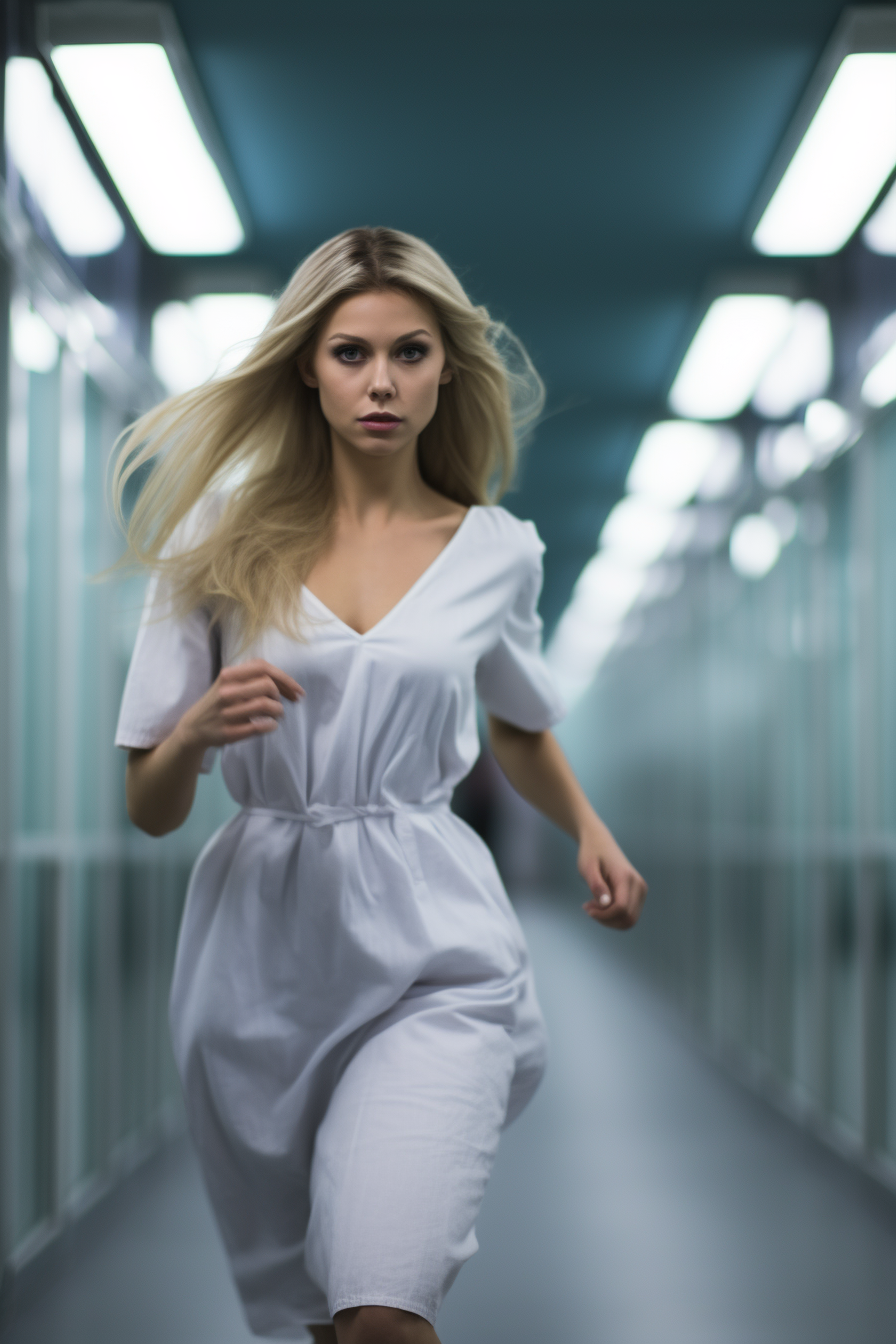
(240, 732)
(600, 892)
(601, 895)
(261, 706)
(626, 906)
(233, 692)
(286, 684)
(258, 672)
(624, 883)
(611, 919)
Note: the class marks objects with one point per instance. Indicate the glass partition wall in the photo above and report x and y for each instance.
(89, 906)
(744, 747)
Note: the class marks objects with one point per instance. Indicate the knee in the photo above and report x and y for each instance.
(381, 1325)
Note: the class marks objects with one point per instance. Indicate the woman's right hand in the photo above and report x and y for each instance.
(245, 700)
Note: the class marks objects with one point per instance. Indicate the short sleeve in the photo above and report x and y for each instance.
(174, 662)
(512, 679)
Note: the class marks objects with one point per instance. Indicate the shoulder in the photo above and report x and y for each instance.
(504, 528)
(514, 539)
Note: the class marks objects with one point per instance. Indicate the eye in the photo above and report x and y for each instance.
(412, 354)
(349, 354)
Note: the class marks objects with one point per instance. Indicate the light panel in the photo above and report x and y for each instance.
(209, 335)
(46, 152)
(755, 546)
(783, 455)
(35, 346)
(840, 165)
(802, 367)
(604, 594)
(131, 106)
(576, 651)
(608, 588)
(879, 234)
(729, 353)
(672, 460)
(878, 355)
(879, 386)
(638, 530)
(726, 470)
(828, 426)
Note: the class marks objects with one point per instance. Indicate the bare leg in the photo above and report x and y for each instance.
(382, 1325)
(322, 1334)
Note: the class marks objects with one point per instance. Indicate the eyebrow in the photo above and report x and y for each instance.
(359, 340)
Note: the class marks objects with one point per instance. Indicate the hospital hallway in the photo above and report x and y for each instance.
(643, 1198)
(634, 486)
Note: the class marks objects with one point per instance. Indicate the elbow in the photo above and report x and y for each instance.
(145, 809)
(148, 825)
(145, 819)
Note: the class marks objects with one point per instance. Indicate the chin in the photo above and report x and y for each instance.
(376, 447)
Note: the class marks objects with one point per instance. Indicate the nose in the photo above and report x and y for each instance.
(382, 386)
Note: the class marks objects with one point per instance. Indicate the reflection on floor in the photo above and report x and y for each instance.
(643, 1198)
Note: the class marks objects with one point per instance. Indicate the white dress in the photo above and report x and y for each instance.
(352, 1010)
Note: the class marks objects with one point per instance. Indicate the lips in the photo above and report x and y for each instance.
(379, 422)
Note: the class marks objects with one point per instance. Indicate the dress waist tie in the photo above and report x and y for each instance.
(321, 814)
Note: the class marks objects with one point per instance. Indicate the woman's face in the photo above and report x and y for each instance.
(378, 364)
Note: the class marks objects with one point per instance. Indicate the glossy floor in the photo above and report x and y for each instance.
(643, 1198)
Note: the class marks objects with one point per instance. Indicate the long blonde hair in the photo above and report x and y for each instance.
(263, 426)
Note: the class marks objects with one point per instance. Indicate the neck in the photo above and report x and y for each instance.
(367, 486)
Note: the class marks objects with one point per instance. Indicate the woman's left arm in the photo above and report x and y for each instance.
(538, 770)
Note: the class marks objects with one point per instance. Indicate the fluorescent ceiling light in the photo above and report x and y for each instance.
(210, 335)
(34, 343)
(840, 165)
(661, 581)
(726, 469)
(879, 234)
(878, 356)
(801, 369)
(755, 546)
(729, 353)
(579, 641)
(607, 588)
(684, 531)
(132, 107)
(46, 152)
(783, 455)
(576, 652)
(672, 460)
(879, 386)
(828, 426)
(638, 530)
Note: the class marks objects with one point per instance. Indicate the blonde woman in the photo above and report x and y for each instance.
(353, 1012)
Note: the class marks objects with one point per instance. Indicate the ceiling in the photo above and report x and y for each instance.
(586, 170)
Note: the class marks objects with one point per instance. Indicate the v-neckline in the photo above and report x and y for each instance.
(406, 595)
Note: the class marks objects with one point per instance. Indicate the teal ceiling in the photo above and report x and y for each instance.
(586, 168)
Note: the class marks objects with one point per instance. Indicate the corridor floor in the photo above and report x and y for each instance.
(643, 1198)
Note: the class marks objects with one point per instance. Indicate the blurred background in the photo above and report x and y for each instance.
(688, 215)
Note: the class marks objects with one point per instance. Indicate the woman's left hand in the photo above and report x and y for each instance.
(617, 889)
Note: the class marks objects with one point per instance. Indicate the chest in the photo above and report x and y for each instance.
(364, 574)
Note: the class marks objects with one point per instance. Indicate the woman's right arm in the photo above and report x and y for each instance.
(244, 701)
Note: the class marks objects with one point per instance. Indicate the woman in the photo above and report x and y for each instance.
(352, 1008)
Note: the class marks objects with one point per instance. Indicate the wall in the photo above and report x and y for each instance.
(89, 907)
(744, 749)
